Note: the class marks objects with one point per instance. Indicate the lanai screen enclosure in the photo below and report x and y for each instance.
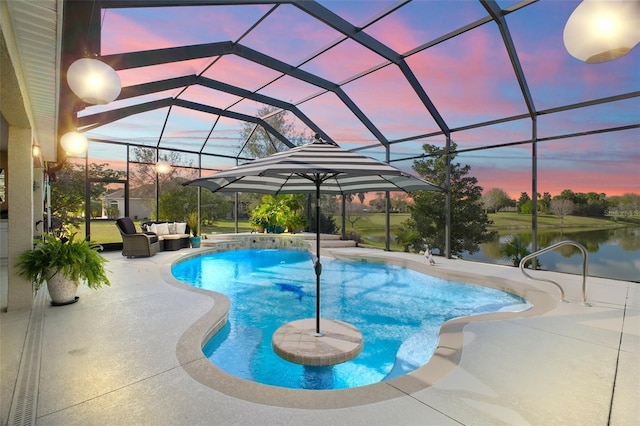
(377, 77)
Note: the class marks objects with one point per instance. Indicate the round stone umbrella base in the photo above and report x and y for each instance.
(298, 342)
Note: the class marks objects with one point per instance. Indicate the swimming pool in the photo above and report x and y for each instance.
(399, 312)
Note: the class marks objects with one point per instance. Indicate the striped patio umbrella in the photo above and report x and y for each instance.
(317, 168)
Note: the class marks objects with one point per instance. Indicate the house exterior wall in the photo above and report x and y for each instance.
(20, 199)
(140, 208)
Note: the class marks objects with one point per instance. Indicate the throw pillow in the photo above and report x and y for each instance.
(172, 227)
(152, 228)
(181, 227)
(162, 229)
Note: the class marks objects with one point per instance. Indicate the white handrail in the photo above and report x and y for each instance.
(585, 257)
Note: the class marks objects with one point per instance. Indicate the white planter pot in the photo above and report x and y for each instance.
(62, 290)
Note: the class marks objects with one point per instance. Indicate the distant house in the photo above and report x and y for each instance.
(141, 202)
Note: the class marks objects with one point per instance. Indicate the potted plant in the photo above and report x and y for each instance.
(192, 221)
(295, 221)
(259, 220)
(277, 213)
(63, 263)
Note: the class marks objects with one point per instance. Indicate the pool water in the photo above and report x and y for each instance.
(399, 312)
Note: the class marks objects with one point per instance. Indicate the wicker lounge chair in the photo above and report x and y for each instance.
(136, 244)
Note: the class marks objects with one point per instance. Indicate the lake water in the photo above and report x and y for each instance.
(613, 253)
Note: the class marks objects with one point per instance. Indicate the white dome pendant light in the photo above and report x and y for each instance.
(93, 81)
(74, 143)
(602, 30)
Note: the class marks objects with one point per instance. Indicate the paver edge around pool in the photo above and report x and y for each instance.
(444, 359)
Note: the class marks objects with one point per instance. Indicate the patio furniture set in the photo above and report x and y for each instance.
(155, 237)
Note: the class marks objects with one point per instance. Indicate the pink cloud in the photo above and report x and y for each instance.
(560, 79)
(349, 128)
(203, 95)
(468, 79)
(343, 61)
(396, 34)
(290, 89)
(237, 71)
(141, 75)
(290, 35)
(122, 34)
(154, 28)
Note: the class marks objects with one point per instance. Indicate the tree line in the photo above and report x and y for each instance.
(589, 204)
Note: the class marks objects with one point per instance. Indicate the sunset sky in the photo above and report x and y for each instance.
(469, 79)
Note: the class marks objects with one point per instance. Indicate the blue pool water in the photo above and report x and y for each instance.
(398, 311)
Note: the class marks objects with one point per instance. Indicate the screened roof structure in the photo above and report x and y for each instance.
(381, 77)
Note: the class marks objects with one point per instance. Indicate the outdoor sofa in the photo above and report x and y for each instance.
(172, 235)
(155, 237)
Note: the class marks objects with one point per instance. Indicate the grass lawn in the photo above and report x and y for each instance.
(372, 229)
(227, 227)
(371, 226)
(509, 221)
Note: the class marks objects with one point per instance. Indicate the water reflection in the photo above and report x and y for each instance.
(613, 253)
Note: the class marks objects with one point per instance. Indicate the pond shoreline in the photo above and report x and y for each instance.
(578, 228)
(613, 252)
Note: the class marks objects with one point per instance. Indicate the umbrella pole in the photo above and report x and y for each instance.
(318, 265)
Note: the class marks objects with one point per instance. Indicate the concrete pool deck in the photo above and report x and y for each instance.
(128, 354)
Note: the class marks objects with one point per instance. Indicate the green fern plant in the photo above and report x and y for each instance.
(77, 260)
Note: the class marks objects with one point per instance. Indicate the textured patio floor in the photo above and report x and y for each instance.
(129, 354)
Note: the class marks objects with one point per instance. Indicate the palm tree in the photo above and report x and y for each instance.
(408, 237)
(515, 249)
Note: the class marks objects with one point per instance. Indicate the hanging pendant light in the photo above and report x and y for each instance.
(74, 143)
(602, 30)
(93, 81)
(163, 167)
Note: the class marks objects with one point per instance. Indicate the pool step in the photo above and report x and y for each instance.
(337, 243)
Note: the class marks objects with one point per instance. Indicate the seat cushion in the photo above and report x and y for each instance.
(170, 237)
